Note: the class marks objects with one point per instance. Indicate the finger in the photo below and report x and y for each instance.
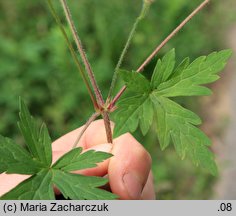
(9, 181)
(149, 190)
(129, 168)
(94, 135)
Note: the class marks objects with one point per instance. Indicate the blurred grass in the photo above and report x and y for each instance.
(35, 64)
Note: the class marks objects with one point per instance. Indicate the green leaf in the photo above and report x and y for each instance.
(133, 111)
(37, 187)
(75, 186)
(163, 69)
(37, 138)
(74, 160)
(15, 159)
(135, 81)
(170, 116)
(37, 161)
(174, 123)
(177, 123)
(182, 66)
(203, 70)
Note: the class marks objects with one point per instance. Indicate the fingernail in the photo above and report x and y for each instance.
(133, 185)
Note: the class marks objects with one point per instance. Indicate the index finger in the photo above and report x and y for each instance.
(94, 135)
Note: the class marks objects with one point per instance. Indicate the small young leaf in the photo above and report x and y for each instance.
(37, 139)
(37, 187)
(75, 186)
(74, 160)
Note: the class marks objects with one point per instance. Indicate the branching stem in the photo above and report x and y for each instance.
(82, 53)
(99, 102)
(80, 69)
(171, 35)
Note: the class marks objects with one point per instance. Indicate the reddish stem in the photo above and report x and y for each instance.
(171, 35)
(82, 53)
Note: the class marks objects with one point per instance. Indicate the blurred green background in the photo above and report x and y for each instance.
(36, 64)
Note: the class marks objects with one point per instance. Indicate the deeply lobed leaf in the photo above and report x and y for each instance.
(173, 121)
(37, 161)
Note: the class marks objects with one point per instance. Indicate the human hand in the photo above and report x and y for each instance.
(129, 170)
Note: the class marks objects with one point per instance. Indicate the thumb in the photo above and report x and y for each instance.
(129, 168)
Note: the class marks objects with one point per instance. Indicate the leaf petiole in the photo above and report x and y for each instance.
(144, 10)
(85, 127)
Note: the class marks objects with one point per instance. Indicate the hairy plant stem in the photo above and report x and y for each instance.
(163, 43)
(173, 33)
(85, 127)
(107, 124)
(79, 67)
(141, 16)
(87, 65)
(90, 73)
